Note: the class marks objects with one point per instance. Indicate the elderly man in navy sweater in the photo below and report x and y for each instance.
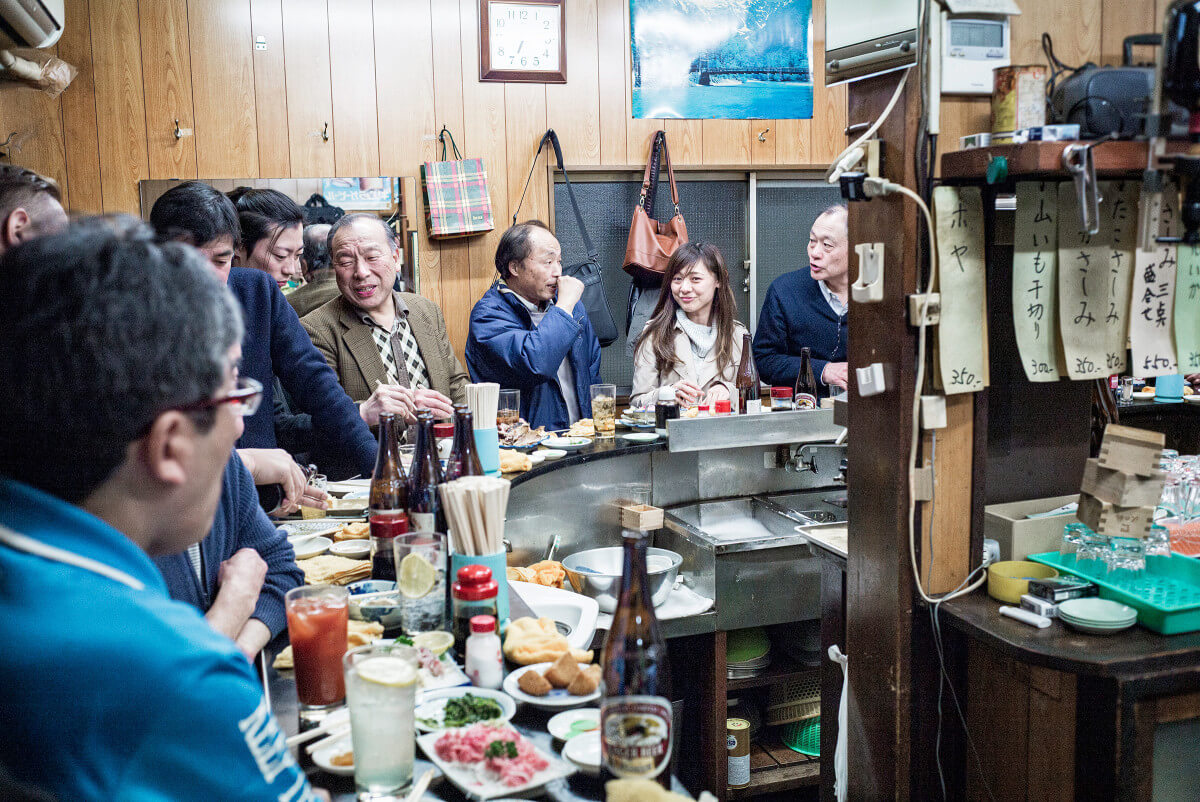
(807, 309)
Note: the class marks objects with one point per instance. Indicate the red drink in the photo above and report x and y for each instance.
(317, 630)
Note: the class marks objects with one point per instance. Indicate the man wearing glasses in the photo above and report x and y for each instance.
(121, 407)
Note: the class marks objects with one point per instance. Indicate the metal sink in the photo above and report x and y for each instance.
(741, 524)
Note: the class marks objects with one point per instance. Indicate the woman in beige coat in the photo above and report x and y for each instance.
(693, 341)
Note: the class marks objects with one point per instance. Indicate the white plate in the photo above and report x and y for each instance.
(1097, 630)
(1194, 398)
(465, 778)
(349, 486)
(312, 547)
(557, 699)
(325, 754)
(584, 752)
(552, 453)
(568, 443)
(354, 549)
(571, 723)
(434, 702)
(640, 437)
(1144, 394)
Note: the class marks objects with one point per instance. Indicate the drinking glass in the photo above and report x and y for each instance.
(1125, 558)
(1092, 550)
(1158, 542)
(317, 617)
(604, 409)
(508, 410)
(421, 580)
(319, 482)
(381, 690)
(1072, 538)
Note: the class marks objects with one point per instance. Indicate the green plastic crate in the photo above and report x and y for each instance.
(803, 737)
(1166, 594)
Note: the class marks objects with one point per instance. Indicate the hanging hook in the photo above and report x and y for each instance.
(178, 133)
(762, 135)
(325, 133)
(5, 143)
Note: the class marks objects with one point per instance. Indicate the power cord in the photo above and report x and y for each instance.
(853, 152)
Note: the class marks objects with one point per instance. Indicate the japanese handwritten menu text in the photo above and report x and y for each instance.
(1151, 329)
(1035, 279)
(1119, 213)
(962, 333)
(1083, 285)
(1187, 309)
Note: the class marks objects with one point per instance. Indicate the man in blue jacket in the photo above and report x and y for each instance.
(531, 333)
(122, 401)
(807, 308)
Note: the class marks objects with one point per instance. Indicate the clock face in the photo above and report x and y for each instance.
(524, 36)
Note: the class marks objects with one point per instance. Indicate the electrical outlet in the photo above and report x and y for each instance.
(933, 310)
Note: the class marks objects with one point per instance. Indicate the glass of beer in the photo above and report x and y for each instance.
(508, 411)
(381, 690)
(317, 617)
(604, 409)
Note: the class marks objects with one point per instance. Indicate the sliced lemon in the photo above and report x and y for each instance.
(393, 672)
(417, 576)
(437, 641)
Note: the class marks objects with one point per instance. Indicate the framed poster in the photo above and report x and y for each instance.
(721, 59)
(359, 194)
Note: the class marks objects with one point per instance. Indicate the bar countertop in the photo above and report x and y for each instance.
(597, 450)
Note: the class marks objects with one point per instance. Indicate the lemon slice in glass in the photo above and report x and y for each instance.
(417, 577)
(437, 641)
(390, 671)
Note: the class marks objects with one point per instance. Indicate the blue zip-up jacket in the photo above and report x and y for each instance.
(111, 690)
(796, 315)
(275, 344)
(504, 346)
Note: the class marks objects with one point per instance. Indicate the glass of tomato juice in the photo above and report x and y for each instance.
(317, 617)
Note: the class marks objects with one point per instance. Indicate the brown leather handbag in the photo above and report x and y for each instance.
(651, 243)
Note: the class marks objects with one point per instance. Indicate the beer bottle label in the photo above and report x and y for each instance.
(805, 401)
(421, 521)
(636, 735)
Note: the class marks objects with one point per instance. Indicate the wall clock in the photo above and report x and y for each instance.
(523, 40)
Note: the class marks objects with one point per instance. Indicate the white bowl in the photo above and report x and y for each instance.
(573, 723)
(568, 443)
(552, 453)
(583, 752)
(312, 547)
(354, 549)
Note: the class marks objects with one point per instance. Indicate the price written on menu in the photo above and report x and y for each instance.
(1085, 281)
(1035, 279)
(962, 332)
(1151, 330)
(1187, 308)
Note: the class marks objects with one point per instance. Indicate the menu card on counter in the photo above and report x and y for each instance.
(962, 333)
(1035, 279)
(1151, 334)
(1187, 308)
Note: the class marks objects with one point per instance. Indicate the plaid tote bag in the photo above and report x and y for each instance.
(456, 194)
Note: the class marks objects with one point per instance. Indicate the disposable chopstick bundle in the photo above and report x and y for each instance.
(475, 508)
(484, 400)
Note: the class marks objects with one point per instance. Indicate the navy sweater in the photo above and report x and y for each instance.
(239, 523)
(796, 315)
(276, 345)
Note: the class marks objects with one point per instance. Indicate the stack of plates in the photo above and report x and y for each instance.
(1097, 616)
(747, 653)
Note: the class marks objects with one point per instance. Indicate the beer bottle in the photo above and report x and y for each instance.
(424, 506)
(389, 489)
(806, 385)
(636, 729)
(464, 459)
(749, 401)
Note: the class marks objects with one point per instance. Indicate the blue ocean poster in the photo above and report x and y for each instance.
(721, 59)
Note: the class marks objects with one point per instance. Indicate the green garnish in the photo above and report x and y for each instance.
(468, 709)
(501, 749)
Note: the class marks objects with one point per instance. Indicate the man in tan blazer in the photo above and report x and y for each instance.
(389, 349)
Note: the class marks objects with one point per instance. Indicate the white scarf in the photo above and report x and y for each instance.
(702, 338)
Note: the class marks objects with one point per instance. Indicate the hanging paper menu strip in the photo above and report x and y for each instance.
(1083, 285)
(1035, 279)
(1151, 313)
(1121, 216)
(962, 332)
(1187, 309)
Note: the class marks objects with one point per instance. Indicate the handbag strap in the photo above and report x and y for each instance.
(552, 137)
(443, 135)
(655, 163)
(649, 184)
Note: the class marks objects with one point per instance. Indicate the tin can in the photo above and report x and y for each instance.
(737, 741)
(1018, 100)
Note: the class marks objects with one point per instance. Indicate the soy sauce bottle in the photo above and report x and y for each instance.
(389, 486)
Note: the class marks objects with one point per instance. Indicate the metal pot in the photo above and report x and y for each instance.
(597, 573)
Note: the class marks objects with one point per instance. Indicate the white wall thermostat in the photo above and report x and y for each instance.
(971, 48)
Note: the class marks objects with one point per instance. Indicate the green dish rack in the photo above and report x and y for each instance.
(1166, 594)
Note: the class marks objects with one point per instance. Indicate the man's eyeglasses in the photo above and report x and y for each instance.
(245, 398)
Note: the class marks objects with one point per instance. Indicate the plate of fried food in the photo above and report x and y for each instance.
(520, 436)
(555, 686)
(545, 572)
(582, 428)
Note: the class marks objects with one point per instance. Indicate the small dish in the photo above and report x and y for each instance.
(640, 437)
(537, 457)
(354, 549)
(312, 547)
(375, 600)
(568, 443)
(324, 756)
(584, 753)
(294, 529)
(433, 704)
(1144, 394)
(566, 725)
(557, 699)
(552, 453)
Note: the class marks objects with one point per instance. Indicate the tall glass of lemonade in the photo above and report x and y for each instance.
(381, 689)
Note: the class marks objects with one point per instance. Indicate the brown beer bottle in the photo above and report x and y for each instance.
(389, 487)
(464, 459)
(806, 386)
(749, 400)
(636, 729)
(424, 505)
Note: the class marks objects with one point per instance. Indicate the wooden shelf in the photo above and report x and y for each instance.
(774, 767)
(782, 668)
(1044, 159)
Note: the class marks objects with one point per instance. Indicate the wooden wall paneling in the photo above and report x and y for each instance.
(525, 121)
(448, 76)
(221, 42)
(763, 135)
(352, 74)
(81, 148)
(638, 133)
(793, 142)
(945, 554)
(270, 89)
(484, 137)
(405, 90)
(573, 108)
(962, 115)
(37, 121)
(997, 691)
(829, 105)
(309, 94)
(168, 70)
(686, 141)
(120, 102)
(1074, 30)
(727, 141)
(612, 37)
(1122, 18)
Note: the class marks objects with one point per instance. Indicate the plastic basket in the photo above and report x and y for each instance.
(803, 737)
(796, 699)
(1166, 594)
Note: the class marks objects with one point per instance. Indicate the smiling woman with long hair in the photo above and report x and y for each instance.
(693, 341)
